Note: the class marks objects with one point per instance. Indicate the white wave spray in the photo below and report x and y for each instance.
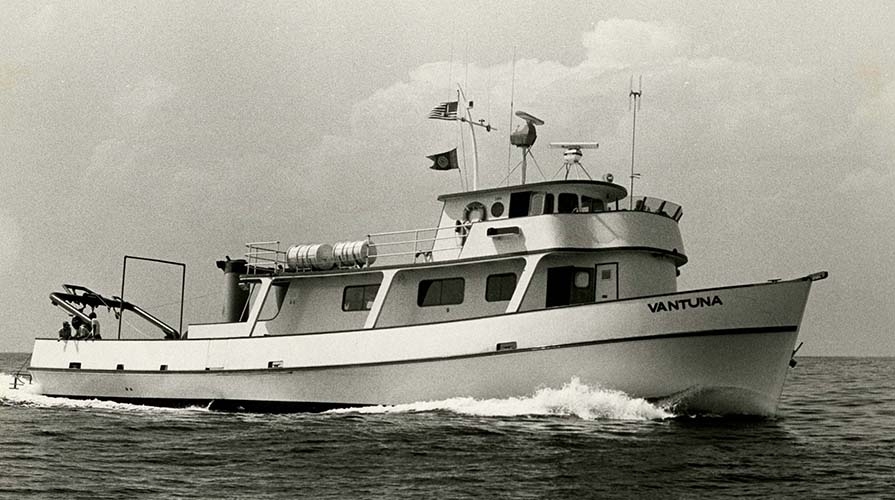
(573, 399)
(26, 395)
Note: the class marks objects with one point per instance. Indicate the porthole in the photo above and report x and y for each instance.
(582, 279)
(497, 209)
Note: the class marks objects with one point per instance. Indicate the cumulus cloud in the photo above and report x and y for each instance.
(623, 43)
(696, 105)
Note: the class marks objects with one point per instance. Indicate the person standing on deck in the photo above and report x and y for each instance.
(65, 331)
(94, 326)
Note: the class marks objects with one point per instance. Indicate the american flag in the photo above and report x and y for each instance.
(444, 111)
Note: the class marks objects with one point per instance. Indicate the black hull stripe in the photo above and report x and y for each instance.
(664, 336)
(224, 405)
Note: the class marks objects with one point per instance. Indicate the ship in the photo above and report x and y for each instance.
(518, 287)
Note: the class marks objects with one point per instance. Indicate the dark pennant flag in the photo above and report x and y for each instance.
(444, 161)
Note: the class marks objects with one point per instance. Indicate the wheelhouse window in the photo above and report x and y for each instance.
(567, 203)
(359, 298)
(440, 292)
(519, 204)
(500, 287)
(537, 204)
(548, 203)
(589, 204)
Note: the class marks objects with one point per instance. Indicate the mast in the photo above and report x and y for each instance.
(461, 97)
(634, 103)
(475, 150)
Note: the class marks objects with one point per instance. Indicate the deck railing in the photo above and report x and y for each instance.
(396, 245)
(264, 255)
(391, 247)
(652, 205)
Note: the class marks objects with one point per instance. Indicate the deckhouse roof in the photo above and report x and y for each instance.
(606, 190)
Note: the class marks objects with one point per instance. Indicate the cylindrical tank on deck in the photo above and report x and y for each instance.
(235, 296)
(318, 257)
(354, 253)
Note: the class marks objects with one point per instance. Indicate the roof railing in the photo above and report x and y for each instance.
(655, 206)
(419, 246)
(265, 255)
(268, 257)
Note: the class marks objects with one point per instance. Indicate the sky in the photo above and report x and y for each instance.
(183, 130)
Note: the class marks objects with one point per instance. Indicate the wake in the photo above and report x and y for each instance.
(574, 399)
(26, 395)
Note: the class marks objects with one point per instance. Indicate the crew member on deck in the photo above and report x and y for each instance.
(82, 329)
(94, 326)
(76, 327)
(65, 331)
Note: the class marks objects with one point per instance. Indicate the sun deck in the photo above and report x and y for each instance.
(500, 221)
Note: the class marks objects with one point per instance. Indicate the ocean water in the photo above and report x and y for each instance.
(834, 437)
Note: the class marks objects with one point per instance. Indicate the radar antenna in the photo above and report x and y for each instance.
(634, 105)
(525, 136)
(572, 156)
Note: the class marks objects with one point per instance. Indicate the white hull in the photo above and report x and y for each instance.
(725, 356)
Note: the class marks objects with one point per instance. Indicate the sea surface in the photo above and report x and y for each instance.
(834, 437)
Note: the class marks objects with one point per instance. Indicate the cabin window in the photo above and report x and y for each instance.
(441, 292)
(570, 285)
(119, 367)
(548, 203)
(496, 209)
(589, 204)
(537, 204)
(359, 298)
(582, 279)
(500, 287)
(567, 203)
(519, 204)
(74, 365)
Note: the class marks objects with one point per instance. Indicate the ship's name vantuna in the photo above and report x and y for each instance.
(683, 304)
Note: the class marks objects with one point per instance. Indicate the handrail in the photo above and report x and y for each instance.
(656, 206)
(405, 231)
(260, 254)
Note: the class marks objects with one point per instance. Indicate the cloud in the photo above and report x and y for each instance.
(623, 43)
(709, 106)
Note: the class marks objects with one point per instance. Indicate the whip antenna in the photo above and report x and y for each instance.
(510, 123)
(634, 105)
